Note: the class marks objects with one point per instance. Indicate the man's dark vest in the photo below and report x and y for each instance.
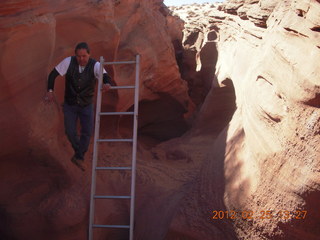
(79, 87)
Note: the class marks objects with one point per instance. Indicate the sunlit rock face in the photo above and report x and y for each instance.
(267, 158)
(239, 81)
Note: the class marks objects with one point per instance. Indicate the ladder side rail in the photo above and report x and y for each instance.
(95, 149)
(134, 145)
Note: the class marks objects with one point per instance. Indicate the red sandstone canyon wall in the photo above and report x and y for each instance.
(228, 120)
(267, 158)
(39, 184)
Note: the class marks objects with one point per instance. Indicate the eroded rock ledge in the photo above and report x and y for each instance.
(267, 158)
(257, 58)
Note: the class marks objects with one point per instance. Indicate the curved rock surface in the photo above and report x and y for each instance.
(38, 182)
(243, 77)
(267, 158)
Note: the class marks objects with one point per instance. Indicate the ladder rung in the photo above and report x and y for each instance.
(110, 226)
(116, 113)
(121, 62)
(122, 87)
(113, 168)
(112, 197)
(116, 140)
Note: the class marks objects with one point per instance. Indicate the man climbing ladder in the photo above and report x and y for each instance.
(81, 73)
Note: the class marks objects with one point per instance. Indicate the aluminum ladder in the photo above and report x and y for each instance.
(97, 140)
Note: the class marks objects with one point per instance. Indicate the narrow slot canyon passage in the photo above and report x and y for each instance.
(228, 120)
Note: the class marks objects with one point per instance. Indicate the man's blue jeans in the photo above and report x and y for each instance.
(71, 115)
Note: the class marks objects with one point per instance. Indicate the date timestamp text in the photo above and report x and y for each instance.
(263, 214)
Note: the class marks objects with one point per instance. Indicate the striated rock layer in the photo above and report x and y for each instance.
(263, 169)
(257, 58)
(39, 184)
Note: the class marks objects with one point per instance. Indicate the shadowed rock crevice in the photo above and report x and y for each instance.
(161, 119)
(316, 28)
(197, 55)
(198, 69)
(272, 137)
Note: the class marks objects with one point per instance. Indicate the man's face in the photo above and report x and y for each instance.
(82, 57)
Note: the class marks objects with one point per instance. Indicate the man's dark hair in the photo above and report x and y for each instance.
(82, 45)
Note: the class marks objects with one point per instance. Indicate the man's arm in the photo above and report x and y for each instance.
(52, 77)
(106, 78)
(106, 82)
(49, 95)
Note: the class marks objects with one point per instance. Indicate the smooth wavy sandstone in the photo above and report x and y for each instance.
(229, 119)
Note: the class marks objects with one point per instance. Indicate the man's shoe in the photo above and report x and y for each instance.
(78, 162)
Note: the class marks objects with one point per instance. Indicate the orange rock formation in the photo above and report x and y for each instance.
(267, 158)
(229, 119)
(39, 184)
